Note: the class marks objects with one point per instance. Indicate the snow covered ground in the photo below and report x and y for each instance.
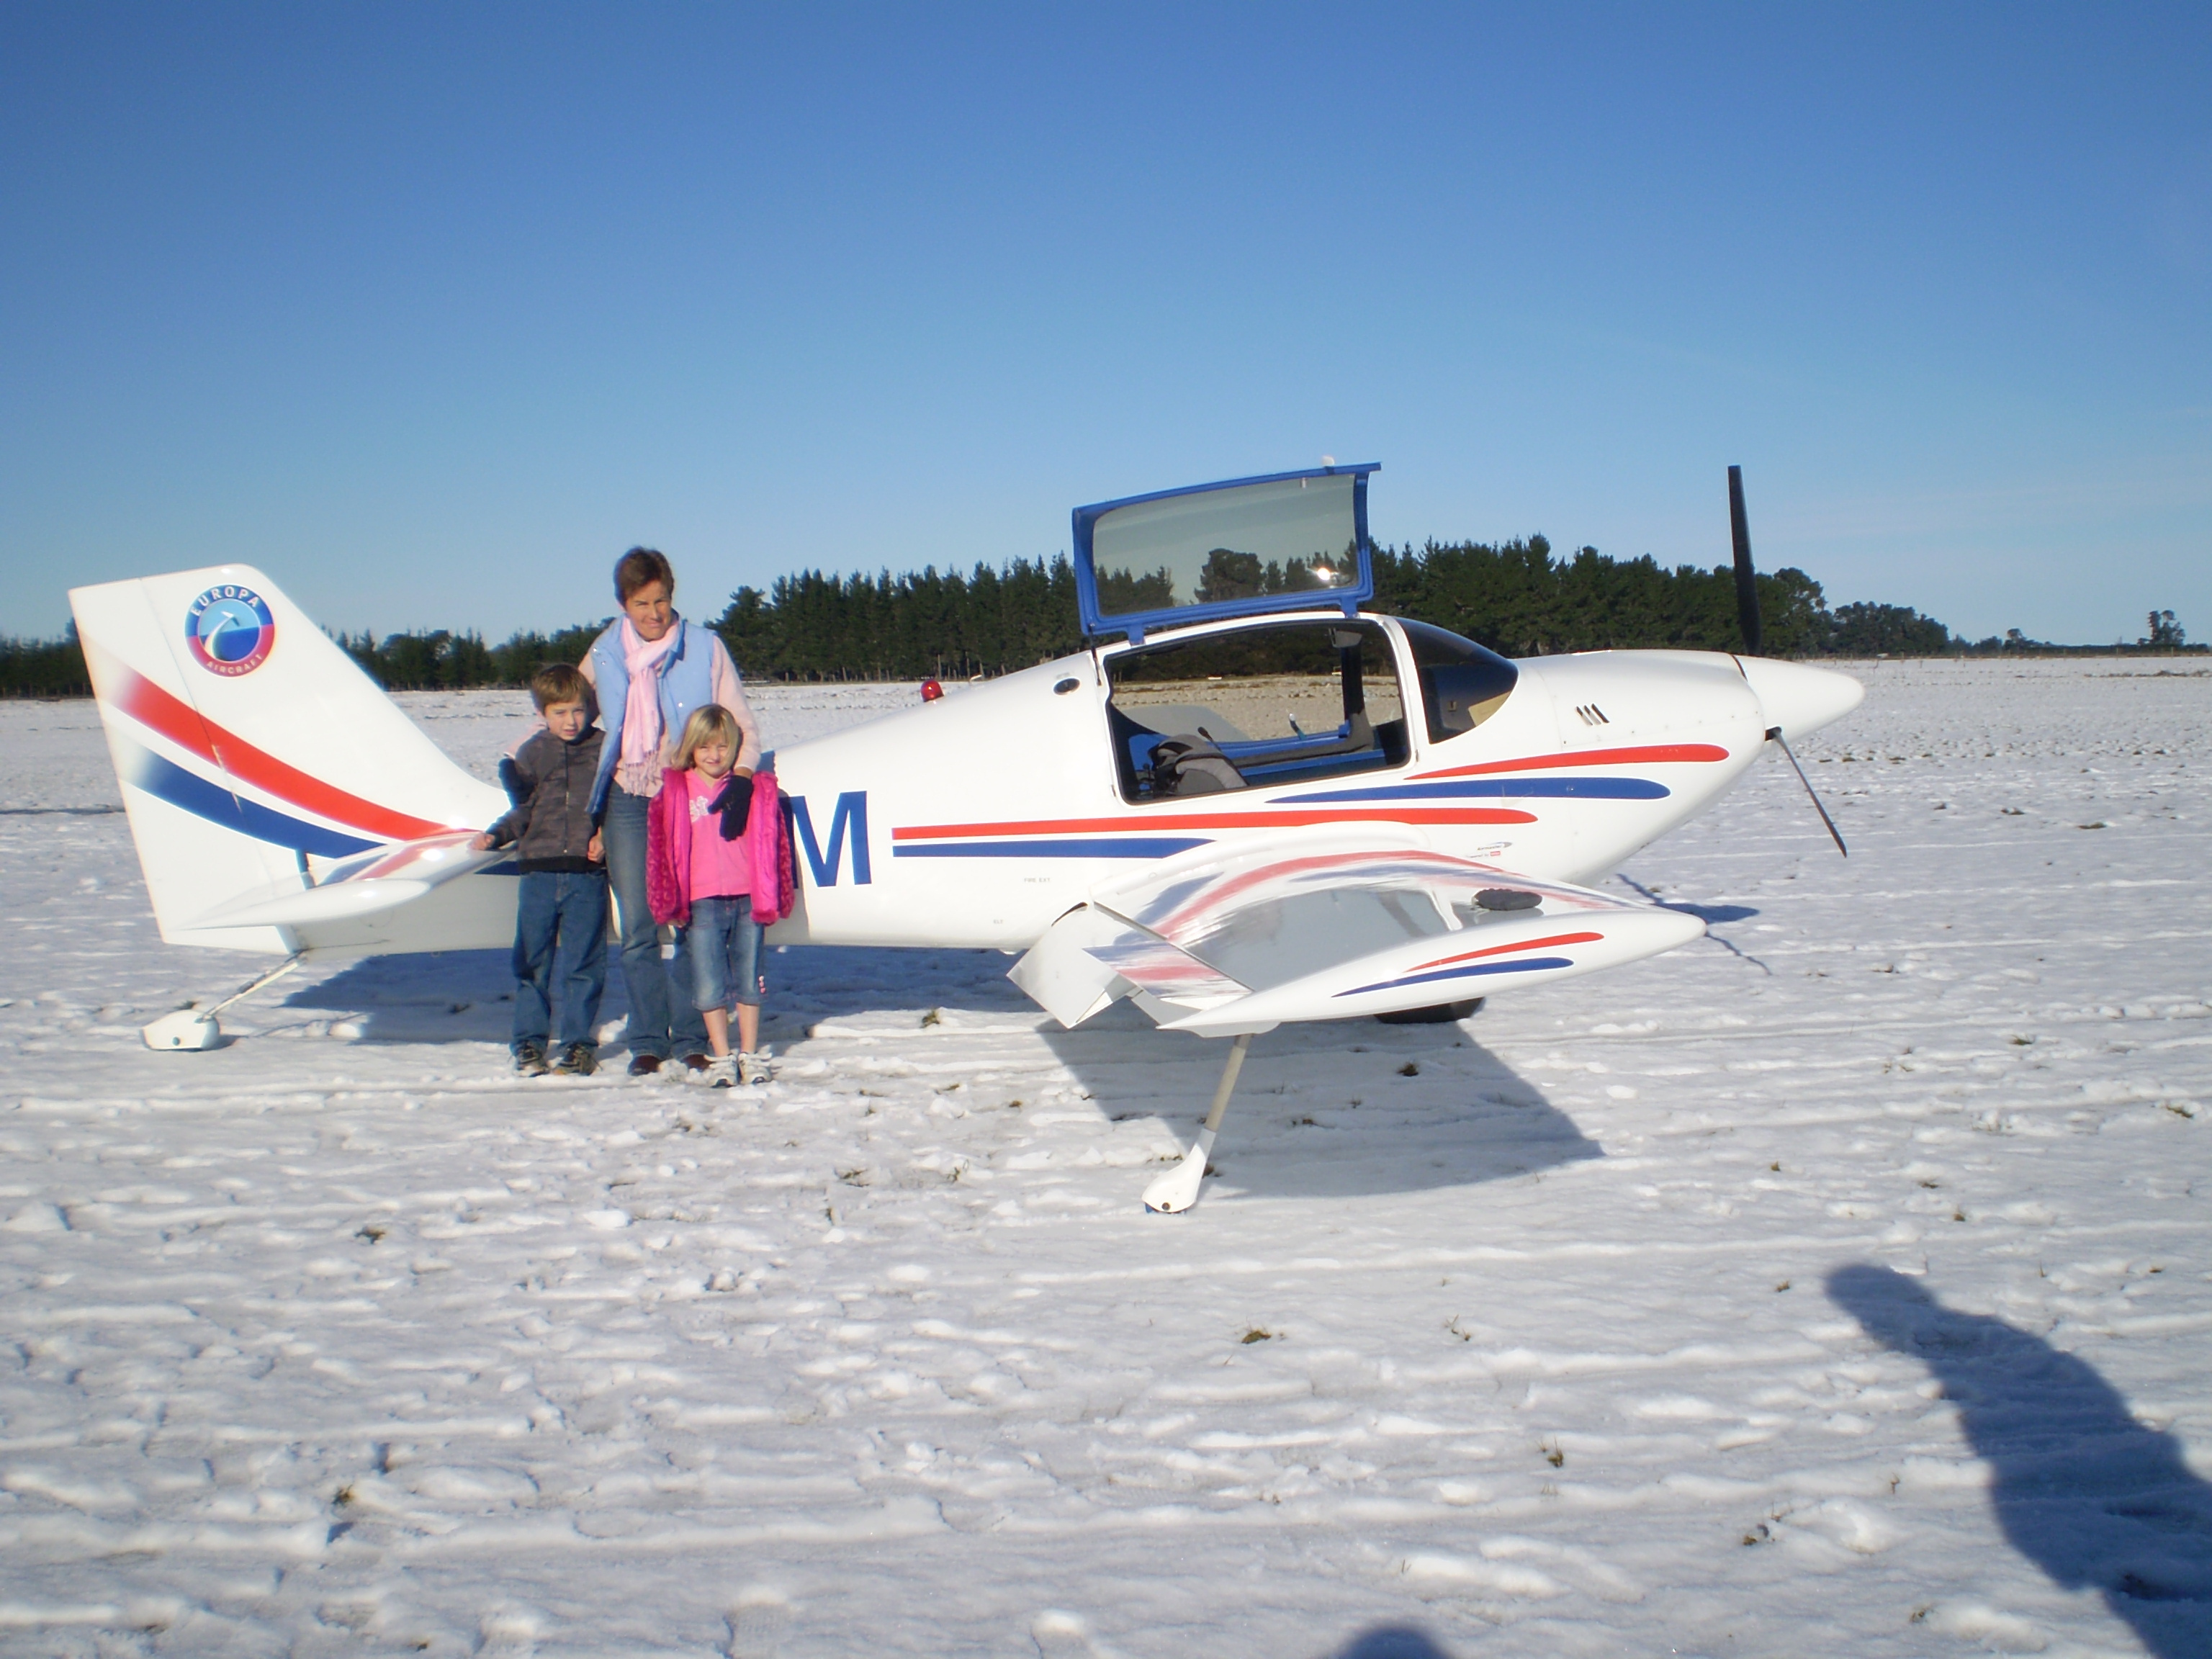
(1839, 1285)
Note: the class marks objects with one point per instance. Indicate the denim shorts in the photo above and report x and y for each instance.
(720, 947)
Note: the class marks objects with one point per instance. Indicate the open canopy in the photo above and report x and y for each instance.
(1286, 541)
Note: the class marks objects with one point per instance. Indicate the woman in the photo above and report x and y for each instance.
(651, 668)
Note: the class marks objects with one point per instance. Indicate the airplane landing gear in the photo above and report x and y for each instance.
(1177, 1190)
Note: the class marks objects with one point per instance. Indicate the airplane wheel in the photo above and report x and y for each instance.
(1444, 1013)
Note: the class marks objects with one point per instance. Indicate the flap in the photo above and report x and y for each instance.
(1090, 957)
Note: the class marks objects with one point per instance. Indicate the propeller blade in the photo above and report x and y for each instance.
(1774, 735)
(1746, 579)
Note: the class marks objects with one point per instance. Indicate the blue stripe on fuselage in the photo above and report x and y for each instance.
(1480, 968)
(1089, 847)
(1495, 789)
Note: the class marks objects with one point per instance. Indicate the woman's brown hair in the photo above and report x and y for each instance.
(641, 568)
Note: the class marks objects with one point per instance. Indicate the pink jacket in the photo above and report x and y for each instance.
(668, 851)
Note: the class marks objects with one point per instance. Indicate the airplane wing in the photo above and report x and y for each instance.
(1327, 925)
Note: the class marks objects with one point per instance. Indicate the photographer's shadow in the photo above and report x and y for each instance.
(2090, 1496)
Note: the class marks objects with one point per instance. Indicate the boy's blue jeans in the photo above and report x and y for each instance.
(560, 954)
(659, 1025)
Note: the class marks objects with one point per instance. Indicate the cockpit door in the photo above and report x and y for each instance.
(1289, 541)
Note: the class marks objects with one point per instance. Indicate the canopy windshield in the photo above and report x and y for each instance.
(1293, 541)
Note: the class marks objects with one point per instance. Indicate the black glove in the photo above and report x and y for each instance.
(735, 804)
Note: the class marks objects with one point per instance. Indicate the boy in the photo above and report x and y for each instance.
(561, 915)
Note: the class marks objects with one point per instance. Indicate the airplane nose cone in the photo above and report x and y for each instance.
(1799, 699)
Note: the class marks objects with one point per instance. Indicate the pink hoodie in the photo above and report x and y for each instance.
(668, 851)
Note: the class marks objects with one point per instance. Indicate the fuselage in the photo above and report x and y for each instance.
(978, 819)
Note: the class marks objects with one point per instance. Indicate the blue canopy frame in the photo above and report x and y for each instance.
(1134, 624)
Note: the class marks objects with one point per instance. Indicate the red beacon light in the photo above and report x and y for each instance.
(931, 690)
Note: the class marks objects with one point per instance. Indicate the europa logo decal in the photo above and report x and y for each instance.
(230, 630)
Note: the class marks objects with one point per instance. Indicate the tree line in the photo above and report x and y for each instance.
(1518, 598)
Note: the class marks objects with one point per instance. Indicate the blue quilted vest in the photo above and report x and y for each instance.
(687, 681)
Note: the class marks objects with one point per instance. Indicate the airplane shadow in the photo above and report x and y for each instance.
(1714, 914)
(1321, 1109)
(453, 995)
(1338, 1109)
(469, 995)
(2090, 1496)
(1711, 914)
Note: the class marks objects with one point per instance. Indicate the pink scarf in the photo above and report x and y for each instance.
(639, 771)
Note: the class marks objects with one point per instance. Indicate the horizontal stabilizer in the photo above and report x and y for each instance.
(358, 888)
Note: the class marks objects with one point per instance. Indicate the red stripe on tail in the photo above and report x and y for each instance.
(149, 704)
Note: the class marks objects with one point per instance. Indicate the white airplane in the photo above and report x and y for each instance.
(1247, 803)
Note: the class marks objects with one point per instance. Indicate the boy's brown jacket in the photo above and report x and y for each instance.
(552, 825)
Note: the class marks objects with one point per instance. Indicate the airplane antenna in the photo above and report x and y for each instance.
(1746, 579)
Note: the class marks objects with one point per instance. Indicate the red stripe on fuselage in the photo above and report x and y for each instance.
(1178, 922)
(1507, 950)
(1658, 754)
(1261, 819)
(156, 709)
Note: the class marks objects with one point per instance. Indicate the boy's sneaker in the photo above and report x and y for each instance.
(644, 1065)
(752, 1066)
(698, 1063)
(530, 1061)
(577, 1059)
(721, 1072)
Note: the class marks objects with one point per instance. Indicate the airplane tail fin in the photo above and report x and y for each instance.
(251, 749)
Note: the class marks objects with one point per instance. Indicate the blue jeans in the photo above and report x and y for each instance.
(560, 954)
(660, 1024)
(722, 944)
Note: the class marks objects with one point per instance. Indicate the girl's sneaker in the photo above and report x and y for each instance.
(721, 1072)
(752, 1066)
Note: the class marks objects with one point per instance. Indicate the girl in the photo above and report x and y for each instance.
(714, 870)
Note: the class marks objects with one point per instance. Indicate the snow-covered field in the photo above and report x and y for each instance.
(1839, 1285)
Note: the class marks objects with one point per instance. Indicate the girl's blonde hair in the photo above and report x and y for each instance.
(708, 720)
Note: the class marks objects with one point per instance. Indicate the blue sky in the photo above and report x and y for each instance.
(430, 312)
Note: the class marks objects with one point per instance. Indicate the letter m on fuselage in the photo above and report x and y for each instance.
(852, 813)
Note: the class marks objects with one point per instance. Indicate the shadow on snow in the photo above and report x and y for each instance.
(2083, 1490)
(1325, 1109)
(1321, 1111)
(1393, 1642)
